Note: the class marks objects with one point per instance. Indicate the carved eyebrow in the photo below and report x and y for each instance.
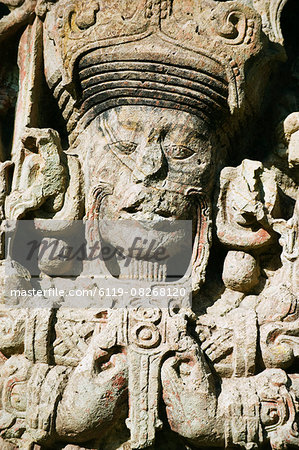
(190, 135)
(135, 127)
(130, 124)
(183, 128)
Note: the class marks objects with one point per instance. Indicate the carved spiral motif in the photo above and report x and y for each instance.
(233, 26)
(147, 314)
(145, 335)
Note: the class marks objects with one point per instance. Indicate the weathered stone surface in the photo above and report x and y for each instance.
(148, 110)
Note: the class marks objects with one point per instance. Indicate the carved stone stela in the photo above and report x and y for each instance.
(151, 110)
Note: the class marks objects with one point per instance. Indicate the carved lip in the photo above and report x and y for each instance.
(151, 221)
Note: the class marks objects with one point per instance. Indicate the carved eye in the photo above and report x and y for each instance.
(178, 151)
(124, 147)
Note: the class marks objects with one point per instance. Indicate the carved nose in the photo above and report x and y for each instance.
(149, 162)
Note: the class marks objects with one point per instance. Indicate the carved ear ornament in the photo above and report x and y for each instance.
(202, 240)
(96, 196)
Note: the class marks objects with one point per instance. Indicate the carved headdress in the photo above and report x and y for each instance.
(197, 55)
(168, 53)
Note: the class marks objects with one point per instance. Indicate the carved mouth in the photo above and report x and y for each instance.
(152, 217)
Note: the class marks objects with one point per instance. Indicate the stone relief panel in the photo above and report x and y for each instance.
(150, 111)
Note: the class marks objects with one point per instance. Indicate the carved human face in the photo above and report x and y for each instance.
(150, 159)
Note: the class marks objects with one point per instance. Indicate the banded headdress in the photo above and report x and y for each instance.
(186, 55)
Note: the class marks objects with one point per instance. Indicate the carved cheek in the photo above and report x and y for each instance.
(194, 171)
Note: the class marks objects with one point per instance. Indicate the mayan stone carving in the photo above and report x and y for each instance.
(129, 120)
